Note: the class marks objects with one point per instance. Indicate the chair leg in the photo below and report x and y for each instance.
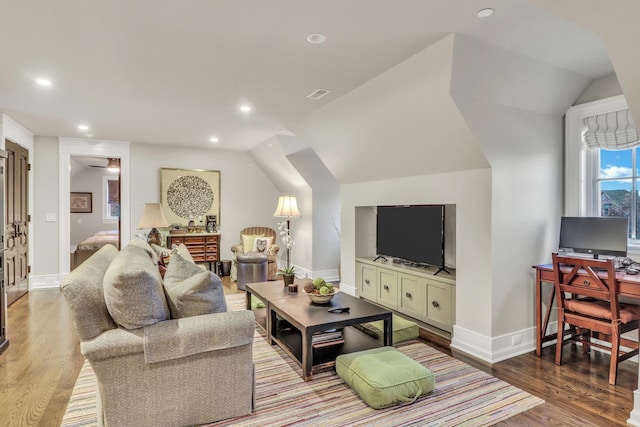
(615, 354)
(560, 338)
(586, 340)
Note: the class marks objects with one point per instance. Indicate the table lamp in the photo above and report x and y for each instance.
(152, 218)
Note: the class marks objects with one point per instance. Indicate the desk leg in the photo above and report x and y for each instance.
(538, 314)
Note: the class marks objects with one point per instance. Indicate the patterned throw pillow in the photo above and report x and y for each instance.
(262, 244)
(248, 241)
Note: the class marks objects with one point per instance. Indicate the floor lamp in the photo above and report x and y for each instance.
(287, 208)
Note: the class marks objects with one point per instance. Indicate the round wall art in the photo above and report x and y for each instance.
(189, 196)
(186, 194)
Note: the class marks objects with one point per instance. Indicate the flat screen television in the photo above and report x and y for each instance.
(412, 233)
(594, 235)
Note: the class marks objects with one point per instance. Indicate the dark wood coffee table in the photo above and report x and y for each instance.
(306, 319)
(266, 292)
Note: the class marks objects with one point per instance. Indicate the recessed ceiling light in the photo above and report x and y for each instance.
(245, 108)
(214, 139)
(316, 38)
(44, 82)
(484, 13)
(83, 127)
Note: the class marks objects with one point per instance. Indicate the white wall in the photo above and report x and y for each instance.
(325, 212)
(516, 114)
(401, 123)
(600, 88)
(45, 233)
(247, 197)
(470, 191)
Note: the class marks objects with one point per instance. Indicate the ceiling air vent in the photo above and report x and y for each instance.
(318, 93)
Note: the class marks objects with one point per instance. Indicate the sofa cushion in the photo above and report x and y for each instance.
(84, 294)
(384, 376)
(183, 251)
(133, 289)
(192, 290)
(147, 248)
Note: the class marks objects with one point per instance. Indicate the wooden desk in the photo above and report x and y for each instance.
(628, 285)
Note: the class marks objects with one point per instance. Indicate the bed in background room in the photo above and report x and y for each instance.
(91, 244)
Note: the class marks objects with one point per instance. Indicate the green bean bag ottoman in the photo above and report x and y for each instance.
(385, 377)
(403, 329)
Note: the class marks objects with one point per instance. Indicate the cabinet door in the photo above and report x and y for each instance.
(367, 281)
(388, 288)
(439, 303)
(412, 300)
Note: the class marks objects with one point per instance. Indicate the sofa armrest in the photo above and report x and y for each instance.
(113, 343)
(237, 249)
(177, 338)
(273, 250)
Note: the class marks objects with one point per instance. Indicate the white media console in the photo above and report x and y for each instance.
(414, 292)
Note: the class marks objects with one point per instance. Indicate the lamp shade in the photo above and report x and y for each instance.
(287, 207)
(153, 216)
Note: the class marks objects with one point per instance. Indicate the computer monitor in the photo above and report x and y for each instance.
(594, 235)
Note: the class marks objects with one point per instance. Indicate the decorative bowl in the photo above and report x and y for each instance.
(321, 299)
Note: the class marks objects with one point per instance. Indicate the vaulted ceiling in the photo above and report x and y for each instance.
(177, 72)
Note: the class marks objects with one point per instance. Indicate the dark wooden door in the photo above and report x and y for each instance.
(16, 222)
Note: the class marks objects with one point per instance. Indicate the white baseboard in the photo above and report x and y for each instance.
(328, 275)
(45, 282)
(496, 349)
(349, 289)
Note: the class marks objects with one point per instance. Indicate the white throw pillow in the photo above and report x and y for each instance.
(248, 241)
(262, 244)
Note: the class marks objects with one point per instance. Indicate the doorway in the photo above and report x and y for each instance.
(98, 224)
(95, 148)
(16, 221)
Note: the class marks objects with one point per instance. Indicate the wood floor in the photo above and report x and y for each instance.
(42, 362)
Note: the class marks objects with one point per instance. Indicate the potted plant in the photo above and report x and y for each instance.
(288, 274)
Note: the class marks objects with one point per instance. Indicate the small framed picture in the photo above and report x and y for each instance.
(81, 202)
(212, 222)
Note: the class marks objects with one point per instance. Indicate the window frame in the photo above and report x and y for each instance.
(582, 164)
(106, 213)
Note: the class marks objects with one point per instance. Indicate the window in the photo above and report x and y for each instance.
(616, 185)
(110, 198)
(601, 181)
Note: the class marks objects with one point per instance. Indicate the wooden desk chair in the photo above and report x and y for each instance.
(592, 307)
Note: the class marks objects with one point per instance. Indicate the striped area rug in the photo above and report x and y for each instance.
(464, 396)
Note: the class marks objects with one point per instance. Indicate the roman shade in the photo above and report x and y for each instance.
(613, 131)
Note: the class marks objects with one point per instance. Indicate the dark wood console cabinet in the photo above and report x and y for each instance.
(203, 247)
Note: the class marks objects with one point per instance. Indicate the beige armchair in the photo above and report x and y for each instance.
(271, 251)
(179, 372)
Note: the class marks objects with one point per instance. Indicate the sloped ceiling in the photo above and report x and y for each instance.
(617, 23)
(401, 123)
